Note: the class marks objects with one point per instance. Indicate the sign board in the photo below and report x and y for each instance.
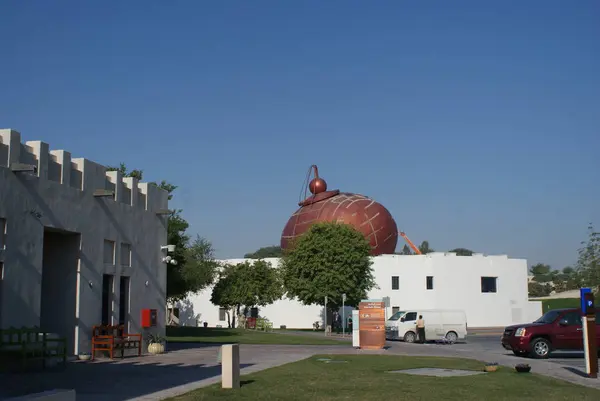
(372, 324)
(589, 334)
(343, 297)
(355, 329)
(582, 292)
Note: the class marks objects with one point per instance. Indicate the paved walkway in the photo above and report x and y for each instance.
(191, 366)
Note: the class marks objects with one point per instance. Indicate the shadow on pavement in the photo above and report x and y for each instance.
(567, 355)
(112, 380)
(576, 371)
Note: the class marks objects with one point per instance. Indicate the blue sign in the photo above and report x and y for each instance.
(584, 303)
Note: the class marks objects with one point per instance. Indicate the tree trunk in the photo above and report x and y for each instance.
(228, 319)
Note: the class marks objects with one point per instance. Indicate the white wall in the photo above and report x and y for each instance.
(60, 197)
(456, 285)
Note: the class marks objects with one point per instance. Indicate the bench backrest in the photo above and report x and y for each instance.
(115, 331)
(14, 336)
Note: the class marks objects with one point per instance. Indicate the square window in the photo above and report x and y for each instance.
(125, 255)
(489, 284)
(395, 309)
(222, 314)
(395, 282)
(430, 282)
(109, 252)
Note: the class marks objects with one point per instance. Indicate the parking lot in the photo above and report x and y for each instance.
(491, 344)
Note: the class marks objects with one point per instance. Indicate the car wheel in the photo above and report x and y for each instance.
(451, 337)
(540, 348)
(410, 337)
(520, 353)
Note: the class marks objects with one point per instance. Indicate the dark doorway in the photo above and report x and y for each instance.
(59, 284)
(107, 301)
(1, 288)
(124, 302)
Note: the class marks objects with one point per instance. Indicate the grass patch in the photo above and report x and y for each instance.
(241, 336)
(365, 378)
(560, 303)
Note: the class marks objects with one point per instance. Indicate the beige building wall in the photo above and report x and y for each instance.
(65, 229)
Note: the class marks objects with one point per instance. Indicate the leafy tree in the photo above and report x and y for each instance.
(272, 251)
(588, 263)
(246, 285)
(406, 250)
(196, 266)
(330, 259)
(539, 290)
(463, 252)
(541, 272)
(424, 248)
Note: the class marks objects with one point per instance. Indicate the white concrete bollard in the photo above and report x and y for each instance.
(230, 366)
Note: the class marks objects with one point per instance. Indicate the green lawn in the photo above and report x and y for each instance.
(241, 336)
(364, 378)
(560, 303)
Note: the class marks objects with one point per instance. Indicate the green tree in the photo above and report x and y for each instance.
(272, 251)
(330, 259)
(196, 266)
(424, 248)
(541, 272)
(463, 252)
(246, 285)
(539, 290)
(588, 263)
(406, 250)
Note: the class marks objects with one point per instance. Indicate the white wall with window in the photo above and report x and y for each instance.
(492, 290)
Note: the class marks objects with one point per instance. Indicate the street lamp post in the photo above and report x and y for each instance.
(325, 328)
(343, 315)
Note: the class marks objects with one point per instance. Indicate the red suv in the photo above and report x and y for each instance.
(558, 329)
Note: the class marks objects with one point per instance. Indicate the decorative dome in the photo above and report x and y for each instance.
(370, 218)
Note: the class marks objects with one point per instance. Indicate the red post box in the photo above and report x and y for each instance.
(149, 318)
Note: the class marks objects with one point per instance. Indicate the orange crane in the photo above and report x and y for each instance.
(410, 243)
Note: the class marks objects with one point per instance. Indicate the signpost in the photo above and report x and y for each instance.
(588, 310)
(344, 315)
(325, 316)
(372, 324)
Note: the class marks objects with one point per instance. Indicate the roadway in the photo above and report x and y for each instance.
(489, 343)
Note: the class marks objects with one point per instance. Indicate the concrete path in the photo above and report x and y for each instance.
(190, 366)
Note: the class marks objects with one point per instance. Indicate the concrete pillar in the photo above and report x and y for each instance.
(230, 366)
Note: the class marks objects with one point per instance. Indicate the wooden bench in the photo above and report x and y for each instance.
(31, 344)
(114, 338)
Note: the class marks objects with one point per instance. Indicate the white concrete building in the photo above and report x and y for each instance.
(79, 246)
(492, 290)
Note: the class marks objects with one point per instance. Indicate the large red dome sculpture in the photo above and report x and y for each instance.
(370, 218)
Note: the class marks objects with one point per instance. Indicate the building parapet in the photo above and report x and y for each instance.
(79, 173)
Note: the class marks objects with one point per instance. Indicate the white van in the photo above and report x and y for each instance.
(440, 324)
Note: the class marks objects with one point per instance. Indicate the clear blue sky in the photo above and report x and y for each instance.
(477, 123)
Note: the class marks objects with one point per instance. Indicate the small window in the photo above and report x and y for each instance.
(429, 282)
(489, 284)
(395, 309)
(222, 314)
(125, 255)
(410, 317)
(1, 270)
(109, 252)
(395, 282)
